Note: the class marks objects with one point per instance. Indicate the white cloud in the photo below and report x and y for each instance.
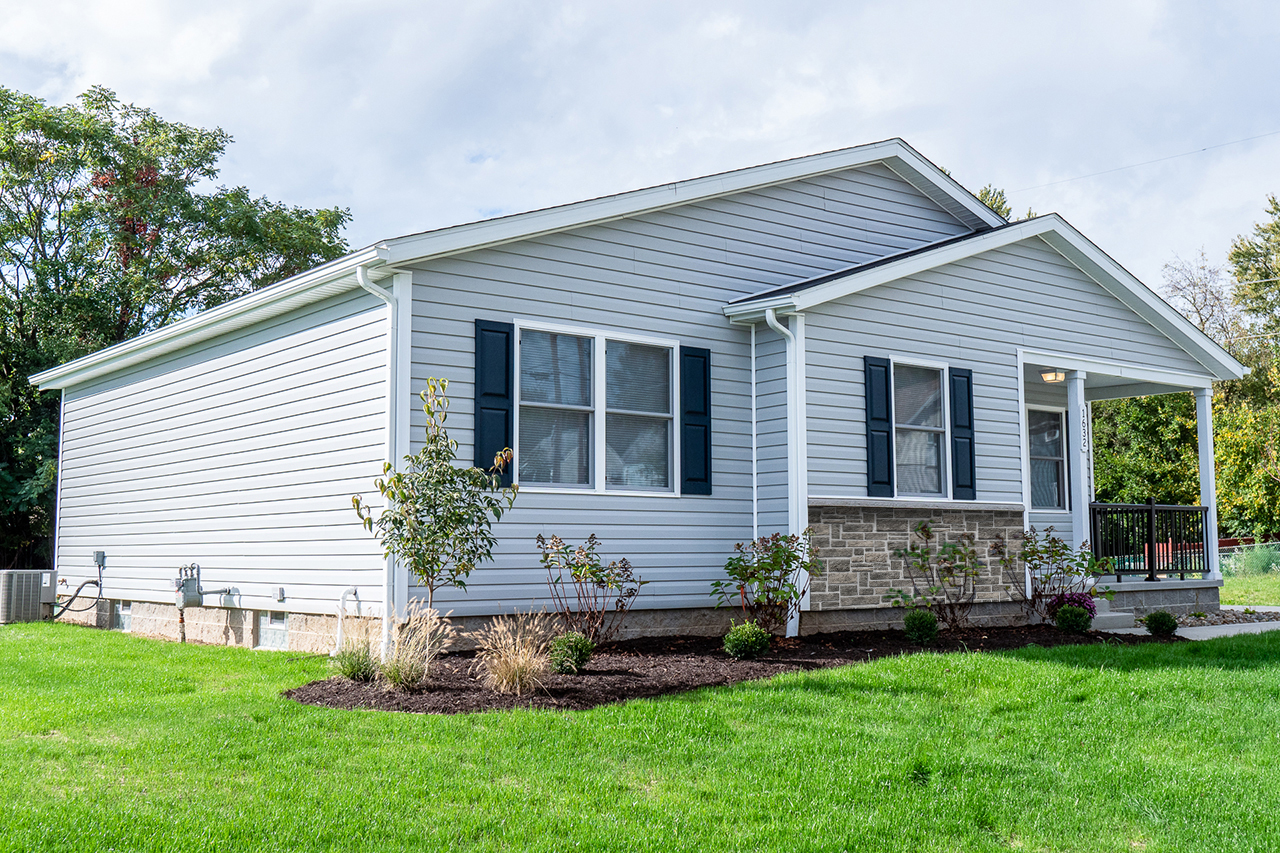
(423, 114)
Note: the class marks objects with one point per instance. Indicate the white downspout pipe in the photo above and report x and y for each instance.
(794, 425)
(755, 454)
(389, 580)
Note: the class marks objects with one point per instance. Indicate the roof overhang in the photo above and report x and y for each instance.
(1054, 230)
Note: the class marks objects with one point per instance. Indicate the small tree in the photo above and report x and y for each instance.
(439, 516)
(944, 581)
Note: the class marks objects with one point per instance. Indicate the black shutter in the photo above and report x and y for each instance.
(495, 361)
(964, 484)
(879, 391)
(695, 421)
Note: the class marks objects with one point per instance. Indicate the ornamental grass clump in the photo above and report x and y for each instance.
(512, 652)
(921, 627)
(421, 636)
(355, 658)
(1160, 623)
(1073, 619)
(747, 641)
(569, 653)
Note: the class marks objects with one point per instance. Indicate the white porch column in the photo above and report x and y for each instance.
(1078, 471)
(1208, 481)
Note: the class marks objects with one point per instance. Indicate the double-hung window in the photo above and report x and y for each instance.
(920, 433)
(1047, 452)
(595, 411)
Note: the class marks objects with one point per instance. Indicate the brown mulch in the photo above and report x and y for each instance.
(659, 666)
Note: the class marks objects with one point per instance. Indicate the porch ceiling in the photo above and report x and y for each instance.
(1111, 386)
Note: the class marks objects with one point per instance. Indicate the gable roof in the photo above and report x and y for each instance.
(382, 257)
(1053, 229)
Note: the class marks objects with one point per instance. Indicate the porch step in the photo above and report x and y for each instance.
(1108, 619)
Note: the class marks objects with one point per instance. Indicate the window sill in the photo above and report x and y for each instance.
(916, 503)
(621, 493)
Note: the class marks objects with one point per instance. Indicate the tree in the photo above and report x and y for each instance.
(1256, 263)
(995, 199)
(110, 227)
(438, 518)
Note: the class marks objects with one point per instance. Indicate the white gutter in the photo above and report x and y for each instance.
(388, 589)
(797, 500)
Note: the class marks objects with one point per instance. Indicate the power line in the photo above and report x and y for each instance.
(1148, 162)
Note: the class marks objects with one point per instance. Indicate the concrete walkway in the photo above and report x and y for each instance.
(1210, 632)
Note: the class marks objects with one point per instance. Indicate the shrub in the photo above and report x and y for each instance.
(1072, 619)
(921, 627)
(594, 586)
(747, 641)
(439, 515)
(420, 637)
(1073, 599)
(355, 659)
(763, 576)
(569, 653)
(1160, 623)
(513, 652)
(944, 581)
(1053, 572)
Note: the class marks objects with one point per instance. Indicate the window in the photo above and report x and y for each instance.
(919, 430)
(1048, 459)
(273, 630)
(591, 404)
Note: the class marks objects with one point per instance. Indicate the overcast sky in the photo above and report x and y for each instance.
(418, 115)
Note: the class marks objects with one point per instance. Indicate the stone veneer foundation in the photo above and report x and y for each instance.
(856, 540)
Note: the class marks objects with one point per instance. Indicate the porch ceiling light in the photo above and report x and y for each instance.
(1052, 376)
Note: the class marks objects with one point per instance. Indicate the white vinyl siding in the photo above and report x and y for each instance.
(666, 275)
(240, 454)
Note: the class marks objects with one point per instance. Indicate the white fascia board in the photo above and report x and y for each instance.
(326, 280)
(754, 312)
(895, 153)
(1065, 239)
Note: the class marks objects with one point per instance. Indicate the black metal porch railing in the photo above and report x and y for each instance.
(1149, 539)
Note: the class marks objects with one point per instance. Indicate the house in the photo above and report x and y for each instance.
(848, 340)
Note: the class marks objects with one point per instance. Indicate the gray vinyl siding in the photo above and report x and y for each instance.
(240, 454)
(973, 314)
(666, 275)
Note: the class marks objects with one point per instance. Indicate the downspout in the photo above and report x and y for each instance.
(794, 425)
(362, 278)
(755, 456)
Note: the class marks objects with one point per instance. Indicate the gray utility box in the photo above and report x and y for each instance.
(22, 592)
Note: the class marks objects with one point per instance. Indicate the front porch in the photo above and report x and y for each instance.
(1159, 556)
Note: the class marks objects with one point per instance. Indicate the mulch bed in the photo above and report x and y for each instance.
(660, 666)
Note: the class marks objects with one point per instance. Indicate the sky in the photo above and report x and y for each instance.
(418, 115)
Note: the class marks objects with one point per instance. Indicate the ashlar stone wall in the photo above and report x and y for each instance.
(856, 545)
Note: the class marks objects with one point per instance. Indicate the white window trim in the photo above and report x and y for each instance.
(1026, 439)
(945, 456)
(598, 409)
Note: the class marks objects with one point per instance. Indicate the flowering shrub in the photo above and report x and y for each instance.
(1073, 599)
(764, 578)
(582, 587)
(944, 582)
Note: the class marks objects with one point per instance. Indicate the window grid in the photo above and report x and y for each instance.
(599, 412)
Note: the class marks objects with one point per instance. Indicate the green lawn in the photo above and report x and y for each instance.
(114, 742)
(1252, 589)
